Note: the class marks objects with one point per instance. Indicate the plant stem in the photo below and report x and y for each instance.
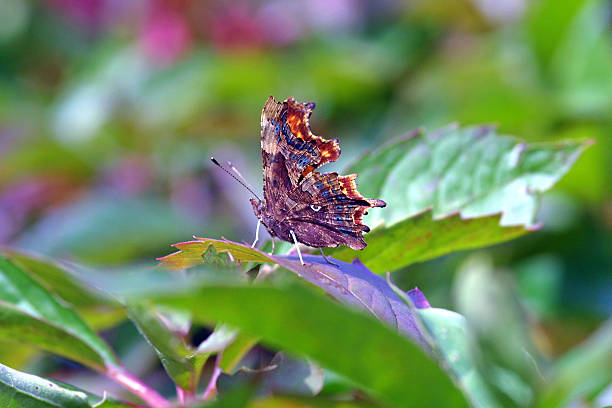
(126, 379)
(184, 396)
(180, 395)
(211, 388)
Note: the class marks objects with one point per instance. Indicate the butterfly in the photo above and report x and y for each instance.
(301, 204)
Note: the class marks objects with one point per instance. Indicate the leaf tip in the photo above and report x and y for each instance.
(418, 298)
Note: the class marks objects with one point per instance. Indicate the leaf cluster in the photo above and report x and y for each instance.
(448, 190)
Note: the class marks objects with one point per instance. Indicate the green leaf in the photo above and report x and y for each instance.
(449, 336)
(98, 308)
(234, 353)
(21, 390)
(583, 372)
(190, 253)
(548, 22)
(452, 339)
(582, 63)
(420, 238)
(350, 283)
(510, 361)
(29, 313)
(223, 339)
(59, 279)
(172, 351)
(461, 173)
(300, 321)
(182, 363)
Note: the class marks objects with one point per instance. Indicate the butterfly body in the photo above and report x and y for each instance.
(320, 209)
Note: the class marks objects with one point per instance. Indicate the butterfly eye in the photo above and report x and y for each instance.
(315, 208)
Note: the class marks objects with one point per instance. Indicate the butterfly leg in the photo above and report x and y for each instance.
(256, 233)
(297, 248)
(326, 258)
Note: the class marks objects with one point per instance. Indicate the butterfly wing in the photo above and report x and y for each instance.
(323, 210)
(276, 183)
(330, 212)
(285, 129)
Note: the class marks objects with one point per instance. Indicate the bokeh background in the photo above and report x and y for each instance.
(110, 110)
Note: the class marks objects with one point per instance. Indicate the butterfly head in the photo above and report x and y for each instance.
(259, 207)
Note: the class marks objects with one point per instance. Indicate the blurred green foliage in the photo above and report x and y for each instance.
(109, 111)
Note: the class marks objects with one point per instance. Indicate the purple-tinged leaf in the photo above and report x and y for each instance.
(387, 364)
(351, 283)
(418, 298)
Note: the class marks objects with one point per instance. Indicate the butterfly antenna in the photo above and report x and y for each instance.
(235, 170)
(244, 184)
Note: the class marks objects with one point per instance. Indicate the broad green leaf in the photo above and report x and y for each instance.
(462, 173)
(350, 283)
(300, 321)
(510, 361)
(59, 279)
(29, 313)
(172, 351)
(15, 355)
(452, 339)
(98, 308)
(582, 373)
(21, 390)
(420, 238)
(21, 327)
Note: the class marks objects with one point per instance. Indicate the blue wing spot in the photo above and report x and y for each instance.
(294, 156)
(344, 230)
(304, 161)
(339, 207)
(286, 131)
(325, 193)
(319, 185)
